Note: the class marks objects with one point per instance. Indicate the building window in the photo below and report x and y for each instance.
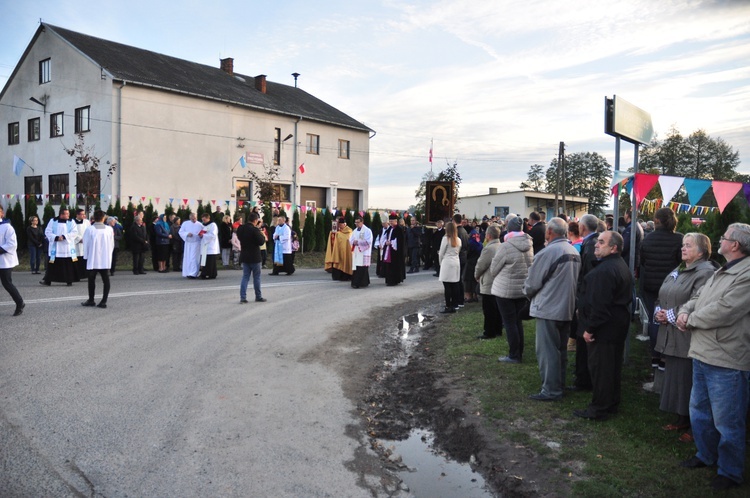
(45, 71)
(34, 129)
(343, 149)
(58, 187)
(87, 187)
(277, 146)
(32, 186)
(281, 192)
(82, 119)
(313, 144)
(56, 125)
(14, 133)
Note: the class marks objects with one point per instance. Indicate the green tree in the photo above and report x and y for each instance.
(587, 174)
(48, 214)
(296, 222)
(327, 223)
(536, 179)
(367, 220)
(16, 219)
(320, 231)
(377, 224)
(32, 208)
(451, 174)
(421, 193)
(308, 233)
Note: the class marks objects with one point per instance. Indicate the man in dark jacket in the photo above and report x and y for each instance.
(587, 227)
(414, 242)
(661, 252)
(139, 244)
(251, 238)
(630, 226)
(464, 236)
(538, 231)
(605, 316)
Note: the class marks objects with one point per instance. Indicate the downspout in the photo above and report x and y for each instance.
(294, 166)
(119, 142)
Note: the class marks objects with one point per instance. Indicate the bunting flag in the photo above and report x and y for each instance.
(130, 198)
(643, 185)
(725, 192)
(241, 203)
(213, 202)
(670, 185)
(746, 190)
(171, 200)
(157, 199)
(696, 188)
(184, 202)
(143, 199)
(619, 178)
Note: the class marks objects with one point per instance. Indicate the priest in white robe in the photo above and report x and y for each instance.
(191, 255)
(361, 243)
(210, 248)
(61, 233)
(8, 261)
(98, 245)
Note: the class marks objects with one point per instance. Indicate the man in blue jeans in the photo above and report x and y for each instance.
(718, 320)
(251, 239)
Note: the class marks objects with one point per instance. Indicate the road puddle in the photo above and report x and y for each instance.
(427, 472)
(409, 331)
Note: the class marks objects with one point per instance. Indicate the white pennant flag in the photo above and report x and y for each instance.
(670, 185)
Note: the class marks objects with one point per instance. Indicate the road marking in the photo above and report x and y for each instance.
(235, 287)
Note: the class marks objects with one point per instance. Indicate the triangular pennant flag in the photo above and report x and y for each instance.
(303, 209)
(618, 177)
(241, 203)
(227, 203)
(213, 201)
(746, 190)
(143, 199)
(171, 199)
(643, 184)
(696, 188)
(157, 199)
(725, 192)
(670, 185)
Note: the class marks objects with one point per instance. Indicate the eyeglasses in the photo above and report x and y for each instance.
(722, 239)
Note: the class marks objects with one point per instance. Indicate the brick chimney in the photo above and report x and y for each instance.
(227, 65)
(260, 83)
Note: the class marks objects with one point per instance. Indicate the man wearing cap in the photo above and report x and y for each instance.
(339, 252)
(392, 243)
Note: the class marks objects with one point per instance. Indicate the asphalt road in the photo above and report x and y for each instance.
(178, 390)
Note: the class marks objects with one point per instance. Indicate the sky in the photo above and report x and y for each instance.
(494, 86)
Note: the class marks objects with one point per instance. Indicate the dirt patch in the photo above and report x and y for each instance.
(399, 384)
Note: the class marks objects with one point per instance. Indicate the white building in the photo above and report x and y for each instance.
(173, 128)
(521, 202)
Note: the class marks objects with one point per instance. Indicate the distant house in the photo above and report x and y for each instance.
(520, 202)
(174, 128)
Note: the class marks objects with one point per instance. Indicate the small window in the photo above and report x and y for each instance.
(58, 187)
(32, 186)
(281, 192)
(14, 133)
(343, 149)
(45, 71)
(313, 144)
(34, 129)
(277, 146)
(82, 119)
(56, 125)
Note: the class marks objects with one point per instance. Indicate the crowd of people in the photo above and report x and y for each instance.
(571, 276)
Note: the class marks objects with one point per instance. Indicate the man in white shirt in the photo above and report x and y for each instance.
(98, 244)
(210, 247)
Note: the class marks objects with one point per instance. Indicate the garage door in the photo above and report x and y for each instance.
(348, 199)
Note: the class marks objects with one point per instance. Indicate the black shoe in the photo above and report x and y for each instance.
(410, 271)
(448, 310)
(543, 397)
(485, 336)
(141, 273)
(693, 463)
(243, 301)
(722, 483)
(44, 282)
(69, 284)
(588, 416)
(90, 302)
(102, 305)
(19, 309)
(261, 300)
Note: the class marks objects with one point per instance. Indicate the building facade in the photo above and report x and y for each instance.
(521, 202)
(172, 128)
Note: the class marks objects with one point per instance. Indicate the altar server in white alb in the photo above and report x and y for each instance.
(9, 260)
(61, 233)
(191, 255)
(81, 225)
(361, 242)
(98, 244)
(210, 248)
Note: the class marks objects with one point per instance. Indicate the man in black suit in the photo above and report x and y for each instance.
(537, 231)
(139, 244)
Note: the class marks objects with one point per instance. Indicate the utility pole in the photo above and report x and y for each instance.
(560, 165)
(562, 161)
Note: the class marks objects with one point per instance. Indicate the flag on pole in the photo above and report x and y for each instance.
(18, 165)
(243, 163)
(302, 168)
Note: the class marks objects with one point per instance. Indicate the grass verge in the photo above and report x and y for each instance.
(627, 455)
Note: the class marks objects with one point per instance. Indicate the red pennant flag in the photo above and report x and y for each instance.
(157, 199)
(643, 184)
(213, 201)
(185, 201)
(241, 203)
